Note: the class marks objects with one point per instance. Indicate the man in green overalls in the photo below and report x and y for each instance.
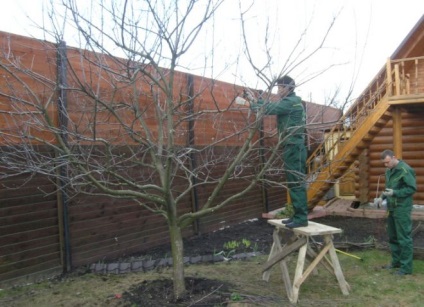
(291, 123)
(400, 186)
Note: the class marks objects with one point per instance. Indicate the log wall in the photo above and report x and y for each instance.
(413, 147)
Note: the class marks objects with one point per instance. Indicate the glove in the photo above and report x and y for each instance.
(378, 202)
(241, 101)
(388, 192)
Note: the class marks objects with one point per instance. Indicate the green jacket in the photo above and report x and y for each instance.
(291, 119)
(402, 180)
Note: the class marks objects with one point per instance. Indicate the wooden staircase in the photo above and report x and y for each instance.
(346, 141)
(399, 82)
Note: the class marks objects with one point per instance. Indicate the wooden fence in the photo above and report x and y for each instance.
(32, 222)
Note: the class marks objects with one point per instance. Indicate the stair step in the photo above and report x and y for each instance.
(381, 122)
(336, 172)
(352, 157)
(363, 145)
(367, 138)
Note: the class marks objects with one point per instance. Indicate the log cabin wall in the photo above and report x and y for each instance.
(413, 147)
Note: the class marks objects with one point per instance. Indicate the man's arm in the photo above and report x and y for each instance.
(284, 106)
(410, 185)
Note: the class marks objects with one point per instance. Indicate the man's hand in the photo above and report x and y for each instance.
(388, 192)
(378, 202)
(248, 96)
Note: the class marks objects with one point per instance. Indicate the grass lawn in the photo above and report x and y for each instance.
(370, 285)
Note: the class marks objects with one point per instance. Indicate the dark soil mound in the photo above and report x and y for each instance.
(200, 292)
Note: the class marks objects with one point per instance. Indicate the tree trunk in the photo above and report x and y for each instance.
(177, 260)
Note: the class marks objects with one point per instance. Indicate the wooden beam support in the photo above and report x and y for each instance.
(389, 78)
(397, 132)
(397, 80)
(287, 250)
(406, 99)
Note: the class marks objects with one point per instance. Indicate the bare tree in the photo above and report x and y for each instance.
(126, 114)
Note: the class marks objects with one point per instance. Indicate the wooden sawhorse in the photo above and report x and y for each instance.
(301, 242)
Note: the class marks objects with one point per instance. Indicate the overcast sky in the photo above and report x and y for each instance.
(364, 35)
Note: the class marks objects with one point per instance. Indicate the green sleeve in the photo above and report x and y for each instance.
(284, 106)
(409, 187)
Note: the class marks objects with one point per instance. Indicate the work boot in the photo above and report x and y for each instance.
(400, 273)
(390, 266)
(287, 221)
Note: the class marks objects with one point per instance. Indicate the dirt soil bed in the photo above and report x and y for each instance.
(355, 232)
(251, 236)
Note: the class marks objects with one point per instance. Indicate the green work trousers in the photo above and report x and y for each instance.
(294, 156)
(399, 228)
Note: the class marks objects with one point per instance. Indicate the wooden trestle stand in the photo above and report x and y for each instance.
(301, 242)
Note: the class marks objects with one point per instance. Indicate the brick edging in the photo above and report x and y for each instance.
(148, 265)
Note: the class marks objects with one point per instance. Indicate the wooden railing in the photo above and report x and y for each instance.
(403, 81)
(406, 76)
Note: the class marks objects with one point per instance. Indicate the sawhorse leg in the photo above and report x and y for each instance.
(344, 286)
(298, 275)
(277, 248)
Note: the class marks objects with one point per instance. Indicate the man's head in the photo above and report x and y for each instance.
(285, 85)
(389, 159)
